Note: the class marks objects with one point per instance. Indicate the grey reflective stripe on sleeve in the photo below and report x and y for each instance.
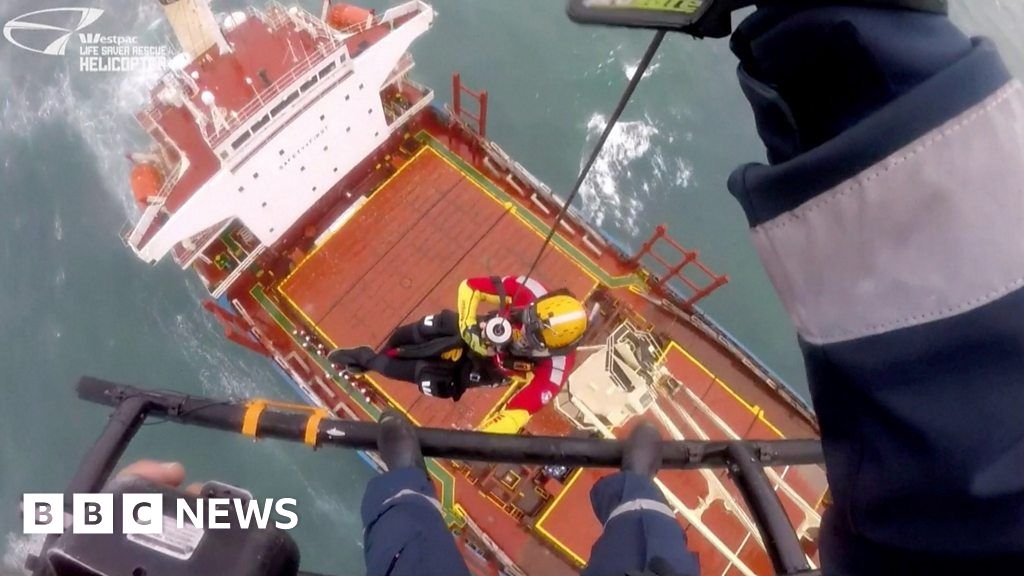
(406, 492)
(931, 232)
(640, 505)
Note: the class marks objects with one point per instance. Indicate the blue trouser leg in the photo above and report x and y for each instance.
(640, 530)
(403, 532)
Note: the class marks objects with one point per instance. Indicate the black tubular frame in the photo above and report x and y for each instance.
(745, 460)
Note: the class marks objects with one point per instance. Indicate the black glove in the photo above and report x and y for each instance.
(812, 72)
(439, 382)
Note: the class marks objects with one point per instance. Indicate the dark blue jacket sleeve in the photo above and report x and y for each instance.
(889, 221)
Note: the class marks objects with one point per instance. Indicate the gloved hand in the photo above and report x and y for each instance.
(811, 71)
(506, 422)
(439, 383)
(441, 389)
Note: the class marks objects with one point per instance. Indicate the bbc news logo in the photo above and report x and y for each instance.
(144, 513)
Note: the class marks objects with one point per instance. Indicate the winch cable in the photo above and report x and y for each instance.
(638, 75)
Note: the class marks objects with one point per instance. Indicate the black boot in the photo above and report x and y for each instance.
(642, 452)
(397, 443)
(355, 360)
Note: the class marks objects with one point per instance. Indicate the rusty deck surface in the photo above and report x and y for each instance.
(403, 255)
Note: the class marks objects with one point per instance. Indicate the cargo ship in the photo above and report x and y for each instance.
(323, 197)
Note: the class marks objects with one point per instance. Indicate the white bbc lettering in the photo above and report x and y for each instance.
(218, 508)
(282, 508)
(247, 510)
(195, 516)
(92, 513)
(43, 514)
(142, 513)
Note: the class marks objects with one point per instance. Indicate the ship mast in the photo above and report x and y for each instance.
(195, 26)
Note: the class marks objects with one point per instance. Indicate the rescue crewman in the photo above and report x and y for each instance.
(889, 220)
(546, 328)
(531, 335)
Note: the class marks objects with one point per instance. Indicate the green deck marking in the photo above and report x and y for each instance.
(453, 519)
(234, 248)
(532, 219)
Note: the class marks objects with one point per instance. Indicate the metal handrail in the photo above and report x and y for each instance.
(247, 112)
(745, 460)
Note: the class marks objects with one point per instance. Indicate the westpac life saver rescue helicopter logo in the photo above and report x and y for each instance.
(35, 32)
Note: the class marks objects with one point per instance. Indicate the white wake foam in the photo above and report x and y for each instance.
(16, 551)
(99, 106)
(610, 190)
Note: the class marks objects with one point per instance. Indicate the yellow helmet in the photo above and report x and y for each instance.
(555, 321)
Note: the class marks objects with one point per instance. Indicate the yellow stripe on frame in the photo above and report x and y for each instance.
(539, 526)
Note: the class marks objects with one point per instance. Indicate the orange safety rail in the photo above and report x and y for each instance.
(690, 258)
(480, 118)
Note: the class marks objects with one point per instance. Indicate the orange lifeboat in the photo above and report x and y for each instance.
(345, 16)
(146, 181)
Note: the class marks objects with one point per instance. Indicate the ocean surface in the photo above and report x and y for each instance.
(76, 301)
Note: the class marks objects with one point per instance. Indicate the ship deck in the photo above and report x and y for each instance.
(437, 220)
(403, 255)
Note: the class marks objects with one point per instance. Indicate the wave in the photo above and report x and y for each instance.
(629, 69)
(97, 106)
(16, 552)
(601, 195)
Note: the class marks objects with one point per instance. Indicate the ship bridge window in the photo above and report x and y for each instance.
(241, 140)
(284, 103)
(309, 83)
(327, 69)
(257, 125)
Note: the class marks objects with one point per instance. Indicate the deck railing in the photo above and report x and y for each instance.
(184, 257)
(217, 136)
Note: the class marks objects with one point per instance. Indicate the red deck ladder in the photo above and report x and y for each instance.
(659, 282)
(480, 118)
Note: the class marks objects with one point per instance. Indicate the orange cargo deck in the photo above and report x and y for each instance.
(402, 256)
